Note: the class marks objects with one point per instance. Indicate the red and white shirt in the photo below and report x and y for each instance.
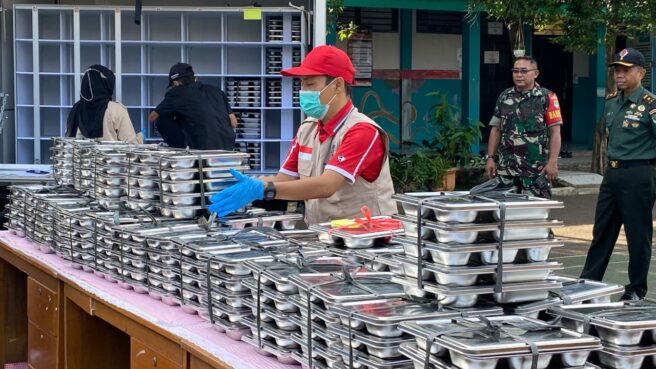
(360, 154)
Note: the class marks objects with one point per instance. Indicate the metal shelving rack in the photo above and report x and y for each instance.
(53, 45)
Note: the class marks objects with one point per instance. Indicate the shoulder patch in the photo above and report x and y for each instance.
(611, 95)
(648, 98)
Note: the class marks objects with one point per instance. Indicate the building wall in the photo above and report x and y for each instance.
(397, 99)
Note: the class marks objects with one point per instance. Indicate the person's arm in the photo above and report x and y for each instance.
(166, 106)
(551, 168)
(554, 120)
(319, 187)
(492, 146)
(233, 120)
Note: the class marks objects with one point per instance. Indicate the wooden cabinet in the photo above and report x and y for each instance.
(196, 363)
(43, 307)
(143, 357)
(42, 348)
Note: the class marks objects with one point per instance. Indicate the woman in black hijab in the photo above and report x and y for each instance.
(95, 115)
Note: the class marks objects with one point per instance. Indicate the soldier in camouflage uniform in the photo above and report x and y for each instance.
(525, 129)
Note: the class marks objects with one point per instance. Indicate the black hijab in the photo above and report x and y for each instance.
(95, 93)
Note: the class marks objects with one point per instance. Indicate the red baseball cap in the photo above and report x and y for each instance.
(324, 60)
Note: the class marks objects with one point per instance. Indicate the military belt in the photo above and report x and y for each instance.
(616, 164)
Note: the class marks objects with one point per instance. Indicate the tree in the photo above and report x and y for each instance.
(585, 24)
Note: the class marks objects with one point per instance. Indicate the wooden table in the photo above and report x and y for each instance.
(55, 316)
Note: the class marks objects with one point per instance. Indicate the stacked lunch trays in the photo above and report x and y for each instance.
(194, 257)
(268, 295)
(252, 149)
(244, 92)
(135, 262)
(574, 291)
(188, 179)
(461, 242)
(73, 242)
(274, 29)
(213, 274)
(16, 208)
(249, 127)
(274, 59)
(627, 331)
(274, 93)
(62, 159)
(509, 341)
(317, 295)
(374, 328)
(109, 176)
(142, 189)
(44, 225)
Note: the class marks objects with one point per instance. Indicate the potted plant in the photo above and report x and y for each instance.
(423, 170)
(453, 139)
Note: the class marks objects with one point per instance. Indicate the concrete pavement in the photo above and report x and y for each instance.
(578, 217)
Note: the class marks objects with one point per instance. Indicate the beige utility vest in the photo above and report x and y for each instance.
(347, 201)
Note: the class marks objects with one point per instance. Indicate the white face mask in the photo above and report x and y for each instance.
(89, 80)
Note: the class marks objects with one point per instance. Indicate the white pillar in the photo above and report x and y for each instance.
(319, 30)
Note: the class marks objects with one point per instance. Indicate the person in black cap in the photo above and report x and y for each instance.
(627, 192)
(194, 114)
(95, 115)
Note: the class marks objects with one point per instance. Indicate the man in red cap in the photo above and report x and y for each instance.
(338, 161)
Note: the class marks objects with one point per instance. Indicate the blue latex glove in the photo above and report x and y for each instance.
(242, 193)
(143, 133)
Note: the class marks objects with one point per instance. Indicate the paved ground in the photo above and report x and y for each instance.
(578, 216)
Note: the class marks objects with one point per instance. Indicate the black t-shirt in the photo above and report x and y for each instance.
(196, 115)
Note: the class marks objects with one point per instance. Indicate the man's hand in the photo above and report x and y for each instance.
(551, 171)
(153, 116)
(490, 168)
(235, 197)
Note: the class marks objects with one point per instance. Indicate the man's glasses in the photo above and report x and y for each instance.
(521, 71)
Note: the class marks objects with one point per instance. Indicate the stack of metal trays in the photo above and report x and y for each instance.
(73, 241)
(356, 237)
(317, 295)
(62, 158)
(296, 30)
(252, 149)
(43, 226)
(249, 126)
(189, 178)
(109, 176)
(461, 242)
(626, 329)
(18, 207)
(274, 61)
(136, 250)
(374, 328)
(213, 273)
(83, 166)
(509, 341)
(142, 179)
(244, 93)
(574, 291)
(102, 224)
(274, 93)
(274, 29)
(269, 298)
(192, 267)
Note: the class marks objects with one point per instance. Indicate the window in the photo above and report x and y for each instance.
(433, 21)
(372, 19)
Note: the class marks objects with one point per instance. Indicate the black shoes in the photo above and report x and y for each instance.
(630, 295)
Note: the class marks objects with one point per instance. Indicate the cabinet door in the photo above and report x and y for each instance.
(42, 306)
(143, 357)
(41, 348)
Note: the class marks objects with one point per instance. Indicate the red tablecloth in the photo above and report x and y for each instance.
(171, 318)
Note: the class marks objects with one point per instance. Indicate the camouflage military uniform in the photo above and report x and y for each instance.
(523, 118)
